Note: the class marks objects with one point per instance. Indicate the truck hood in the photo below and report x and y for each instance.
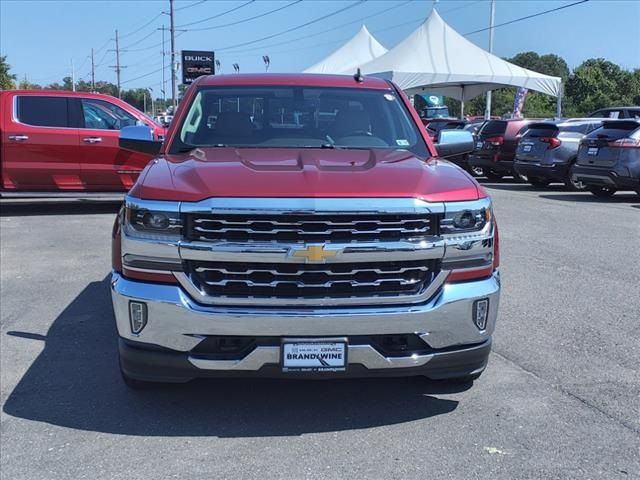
(287, 172)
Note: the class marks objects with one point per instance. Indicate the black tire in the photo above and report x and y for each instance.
(602, 192)
(573, 185)
(539, 182)
(493, 176)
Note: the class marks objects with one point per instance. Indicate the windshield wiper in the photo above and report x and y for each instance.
(215, 145)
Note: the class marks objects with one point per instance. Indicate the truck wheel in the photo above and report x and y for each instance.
(602, 192)
(493, 176)
(539, 182)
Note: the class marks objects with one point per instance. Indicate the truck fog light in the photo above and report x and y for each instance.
(137, 316)
(480, 313)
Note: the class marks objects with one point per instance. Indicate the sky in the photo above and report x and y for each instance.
(42, 38)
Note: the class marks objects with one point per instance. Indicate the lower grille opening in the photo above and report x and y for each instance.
(223, 347)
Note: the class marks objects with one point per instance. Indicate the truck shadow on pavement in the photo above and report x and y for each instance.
(75, 383)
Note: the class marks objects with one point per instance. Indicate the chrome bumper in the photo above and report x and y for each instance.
(176, 322)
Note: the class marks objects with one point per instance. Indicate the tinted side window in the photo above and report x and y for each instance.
(103, 115)
(43, 111)
(634, 113)
(493, 127)
(576, 128)
(614, 131)
(541, 130)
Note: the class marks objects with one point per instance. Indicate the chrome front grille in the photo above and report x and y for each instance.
(308, 228)
(311, 252)
(312, 281)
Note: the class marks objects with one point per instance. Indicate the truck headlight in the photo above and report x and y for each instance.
(466, 217)
(154, 220)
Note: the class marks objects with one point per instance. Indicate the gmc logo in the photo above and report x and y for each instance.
(201, 70)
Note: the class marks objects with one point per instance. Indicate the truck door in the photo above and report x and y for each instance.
(104, 166)
(39, 146)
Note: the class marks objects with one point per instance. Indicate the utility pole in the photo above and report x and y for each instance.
(93, 73)
(174, 91)
(118, 62)
(117, 66)
(73, 77)
(487, 112)
(164, 83)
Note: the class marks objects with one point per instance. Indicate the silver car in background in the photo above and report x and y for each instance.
(547, 151)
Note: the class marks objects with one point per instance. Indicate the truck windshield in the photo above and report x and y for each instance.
(298, 117)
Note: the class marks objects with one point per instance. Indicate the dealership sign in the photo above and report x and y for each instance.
(196, 64)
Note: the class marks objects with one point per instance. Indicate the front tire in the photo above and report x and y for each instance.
(602, 192)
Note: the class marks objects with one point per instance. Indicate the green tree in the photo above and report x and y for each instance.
(598, 83)
(7, 80)
(25, 84)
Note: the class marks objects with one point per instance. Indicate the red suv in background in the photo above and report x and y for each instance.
(54, 141)
(495, 149)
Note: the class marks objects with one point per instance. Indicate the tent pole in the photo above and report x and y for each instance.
(559, 103)
(462, 104)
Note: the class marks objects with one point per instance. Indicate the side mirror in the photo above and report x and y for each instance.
(140, 139)
(450, 143)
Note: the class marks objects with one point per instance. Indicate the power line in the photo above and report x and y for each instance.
(397, 5)
(143, 26)
(157, 45)
(124, 49)
(103, 46)
(218, 15)
(298, 27)
(142, 76)
(527, 17)
(237, 22)
(189, 6)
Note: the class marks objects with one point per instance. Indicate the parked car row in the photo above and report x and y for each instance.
(599, 153)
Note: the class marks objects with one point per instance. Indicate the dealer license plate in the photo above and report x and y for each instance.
(593, 151)
(478, 145)
(312, 356)
(526, 148)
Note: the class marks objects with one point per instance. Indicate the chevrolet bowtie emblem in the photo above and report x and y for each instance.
(314, 253)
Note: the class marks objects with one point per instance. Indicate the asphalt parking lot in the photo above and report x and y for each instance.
(560, 399)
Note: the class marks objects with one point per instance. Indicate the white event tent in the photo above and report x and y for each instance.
(437, 59)
(362, 48)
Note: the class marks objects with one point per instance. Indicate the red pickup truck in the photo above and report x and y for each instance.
(59, 141)
(302, 226)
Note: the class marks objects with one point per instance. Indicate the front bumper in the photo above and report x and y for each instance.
(162, 351)
(555, 172)
(603, 177)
